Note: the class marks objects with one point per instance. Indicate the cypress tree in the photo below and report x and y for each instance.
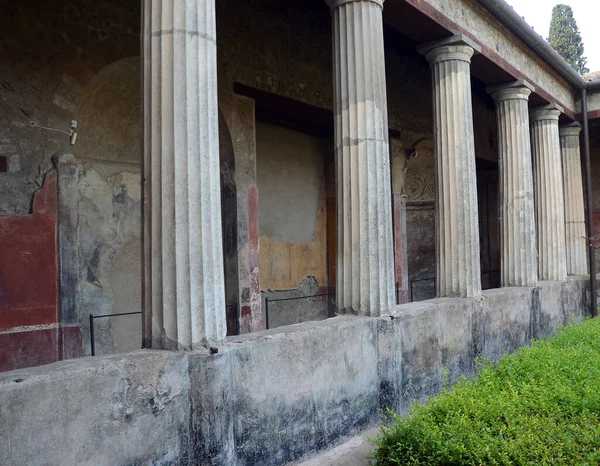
(564, 37)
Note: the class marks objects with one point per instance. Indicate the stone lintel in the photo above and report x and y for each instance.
(448, 43)
(519, 89)
(570, 129)
(545, 112)
(333, 4)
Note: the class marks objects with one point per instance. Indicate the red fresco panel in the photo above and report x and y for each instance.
(28, 349)
(28, 268)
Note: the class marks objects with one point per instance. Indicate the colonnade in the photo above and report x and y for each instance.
(541, 195)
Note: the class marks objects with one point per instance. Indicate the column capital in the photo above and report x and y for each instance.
(457, 47)
(545, 112)
(519, 89)
(333, 4)
(571, 129)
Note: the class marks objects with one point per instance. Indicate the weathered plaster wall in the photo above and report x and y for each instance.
(64, 60)
(28, 284)
(109, 114)
(489, 227)
(282, 47)
(109, 153)
(593, 103)
(291, 178)
(109, 251)
(318, 383)
(130, 409)
(293, 221)
(50, 52)
(239, 119)
(414, 178)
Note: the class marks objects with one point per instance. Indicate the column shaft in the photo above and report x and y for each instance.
(549, 198)
(574, 204)
(518, 266)
(458, 270)
(365, 272)
(182, 222)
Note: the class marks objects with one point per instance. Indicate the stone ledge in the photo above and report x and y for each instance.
(270, 397)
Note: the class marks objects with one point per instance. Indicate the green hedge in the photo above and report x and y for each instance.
(539, 406)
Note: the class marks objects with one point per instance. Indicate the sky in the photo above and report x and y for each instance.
(587, 14)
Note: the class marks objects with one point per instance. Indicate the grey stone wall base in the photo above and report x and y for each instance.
(270, 397)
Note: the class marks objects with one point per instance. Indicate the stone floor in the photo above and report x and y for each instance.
(352, 453)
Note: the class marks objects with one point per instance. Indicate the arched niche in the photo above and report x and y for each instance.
(109, 149)
(109, 115)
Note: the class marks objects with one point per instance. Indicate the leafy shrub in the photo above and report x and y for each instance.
(539, 406)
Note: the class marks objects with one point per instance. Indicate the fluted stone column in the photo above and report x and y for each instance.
(574, 204)
(183, 260)
(518, 264)
(458, 271)
(365, 272)
(549, 197)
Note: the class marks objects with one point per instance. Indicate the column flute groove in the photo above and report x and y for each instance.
(549, 193)
(184, 297)
(576, 244)
(365, 280)
(457, 227)
(518, 264)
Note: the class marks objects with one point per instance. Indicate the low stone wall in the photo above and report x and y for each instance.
(269, 397)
